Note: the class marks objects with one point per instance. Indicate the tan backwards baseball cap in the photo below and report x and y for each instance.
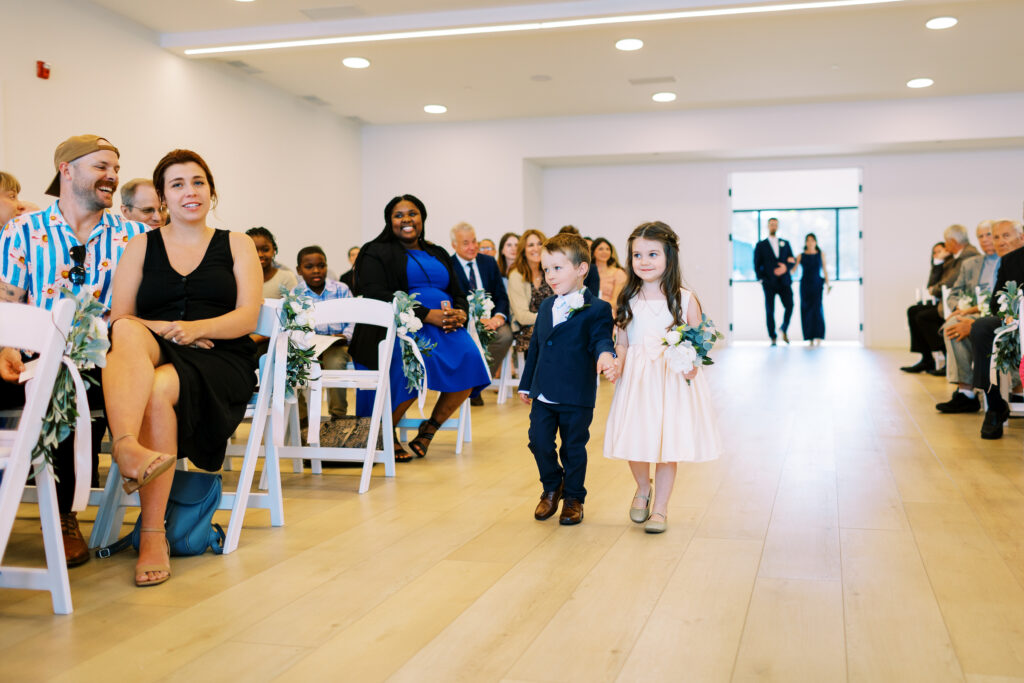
(73, 148)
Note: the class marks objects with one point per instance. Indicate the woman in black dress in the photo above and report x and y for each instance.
(181, 366)
(812, 310)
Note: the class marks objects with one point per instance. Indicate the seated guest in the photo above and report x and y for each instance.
(274, 276)
(487, 248)
(593, 281)
(611, 276)
(1009, 244)
(924, 320)
(353, 253)
(977, 272)
(479, 271)
(527, 287)
(508, 247)
(10, 205)
(181, 367)
(28, 207)
(76, 243)
(312, 267)
(140, 203)
(401, 259)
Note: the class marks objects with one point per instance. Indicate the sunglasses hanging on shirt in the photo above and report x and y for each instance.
(77, 274)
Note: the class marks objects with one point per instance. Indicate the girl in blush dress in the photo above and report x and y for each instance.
(656, 416)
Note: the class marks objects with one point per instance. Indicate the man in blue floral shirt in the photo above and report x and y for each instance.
(74, 244)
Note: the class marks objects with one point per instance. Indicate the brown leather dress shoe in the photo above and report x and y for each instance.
(572, 512)
(548, 504)
(76, 550)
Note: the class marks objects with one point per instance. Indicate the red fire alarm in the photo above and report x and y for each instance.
(42, 70)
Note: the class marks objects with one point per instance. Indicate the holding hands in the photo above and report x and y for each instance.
(11, 366)
(609, 366)
(961, 329)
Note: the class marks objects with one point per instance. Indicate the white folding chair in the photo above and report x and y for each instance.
(112, 510)
(461, 425)
(37, 330)
(945, 300)
(506, 382)
(362, 312)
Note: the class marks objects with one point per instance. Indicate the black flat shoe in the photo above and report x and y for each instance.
(920, 366)
(992, 427)
(421, 443)
(959, 404)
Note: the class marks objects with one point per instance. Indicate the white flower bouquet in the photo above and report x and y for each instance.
(687, 346)
(480, 307)
(414, 346)
(1006, 348)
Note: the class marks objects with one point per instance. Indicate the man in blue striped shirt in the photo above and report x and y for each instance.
(74, 244)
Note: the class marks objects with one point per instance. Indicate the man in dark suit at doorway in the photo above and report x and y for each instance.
(773, 262)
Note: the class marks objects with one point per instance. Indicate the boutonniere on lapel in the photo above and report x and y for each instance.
(576, 303)
(782, 243)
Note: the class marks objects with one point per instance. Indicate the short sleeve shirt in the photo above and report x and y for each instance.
(35, 255)
(333, 289)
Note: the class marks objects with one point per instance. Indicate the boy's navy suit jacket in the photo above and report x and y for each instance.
(562, 361)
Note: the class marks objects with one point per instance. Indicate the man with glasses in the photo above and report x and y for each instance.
(74, 244)
(140, 203)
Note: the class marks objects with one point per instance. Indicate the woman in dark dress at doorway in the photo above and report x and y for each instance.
(181, 367)
(812, 283)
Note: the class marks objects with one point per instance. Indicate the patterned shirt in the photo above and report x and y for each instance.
(35, 255)
(332, 290)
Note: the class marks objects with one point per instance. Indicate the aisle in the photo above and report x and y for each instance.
(850, 533)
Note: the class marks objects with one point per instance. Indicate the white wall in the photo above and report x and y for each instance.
(926, 163)
(277, 161)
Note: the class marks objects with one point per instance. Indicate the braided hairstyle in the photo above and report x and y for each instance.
(671, 279)
(265, 234)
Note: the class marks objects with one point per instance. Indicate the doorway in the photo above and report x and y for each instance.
(825, 202)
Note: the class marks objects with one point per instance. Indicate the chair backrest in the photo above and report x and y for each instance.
(44, 332)
(269, 320)
(37, 330)
(945, 299)
(362, 312)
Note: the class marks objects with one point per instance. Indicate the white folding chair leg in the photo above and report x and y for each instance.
(294, 436)
(53, 544)
(463, 432)
(505, 378)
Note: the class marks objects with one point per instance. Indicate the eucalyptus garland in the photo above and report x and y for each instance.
(87, 346)
(480, 307)
(297, 322)
(1007, 347)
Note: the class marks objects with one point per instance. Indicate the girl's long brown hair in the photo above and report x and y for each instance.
(520, 264)
(671, 279)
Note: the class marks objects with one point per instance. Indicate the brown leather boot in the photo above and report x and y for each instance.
(548, 504)
(76, 550)
(572, 512)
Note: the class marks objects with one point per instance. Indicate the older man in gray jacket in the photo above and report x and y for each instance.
(976, 273)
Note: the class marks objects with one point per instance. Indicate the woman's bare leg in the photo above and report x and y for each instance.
(159, 433)
(127, 386)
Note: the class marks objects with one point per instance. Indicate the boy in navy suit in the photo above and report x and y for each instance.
(571, 343)
(773, 261)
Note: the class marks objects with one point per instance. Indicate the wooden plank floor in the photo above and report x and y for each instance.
(849, 533)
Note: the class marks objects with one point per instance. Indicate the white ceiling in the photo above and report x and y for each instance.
(824, 55)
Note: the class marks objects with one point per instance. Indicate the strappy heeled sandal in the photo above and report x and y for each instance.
(132, 485)
(421, 443)
(145, 568)
(401, 455)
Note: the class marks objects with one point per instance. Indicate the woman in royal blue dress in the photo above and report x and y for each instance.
(401, 259)
(812, 282)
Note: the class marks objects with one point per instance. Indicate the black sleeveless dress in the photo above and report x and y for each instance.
(216, 384)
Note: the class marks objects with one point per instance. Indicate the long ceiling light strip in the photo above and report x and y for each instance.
(533, 26)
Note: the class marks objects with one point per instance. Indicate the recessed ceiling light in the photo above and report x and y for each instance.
(538, 25)
(435, 109)
(939, 23)
(664, 97)
(920, 83)
(629, 44)
(243, 0)
(356, 62)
